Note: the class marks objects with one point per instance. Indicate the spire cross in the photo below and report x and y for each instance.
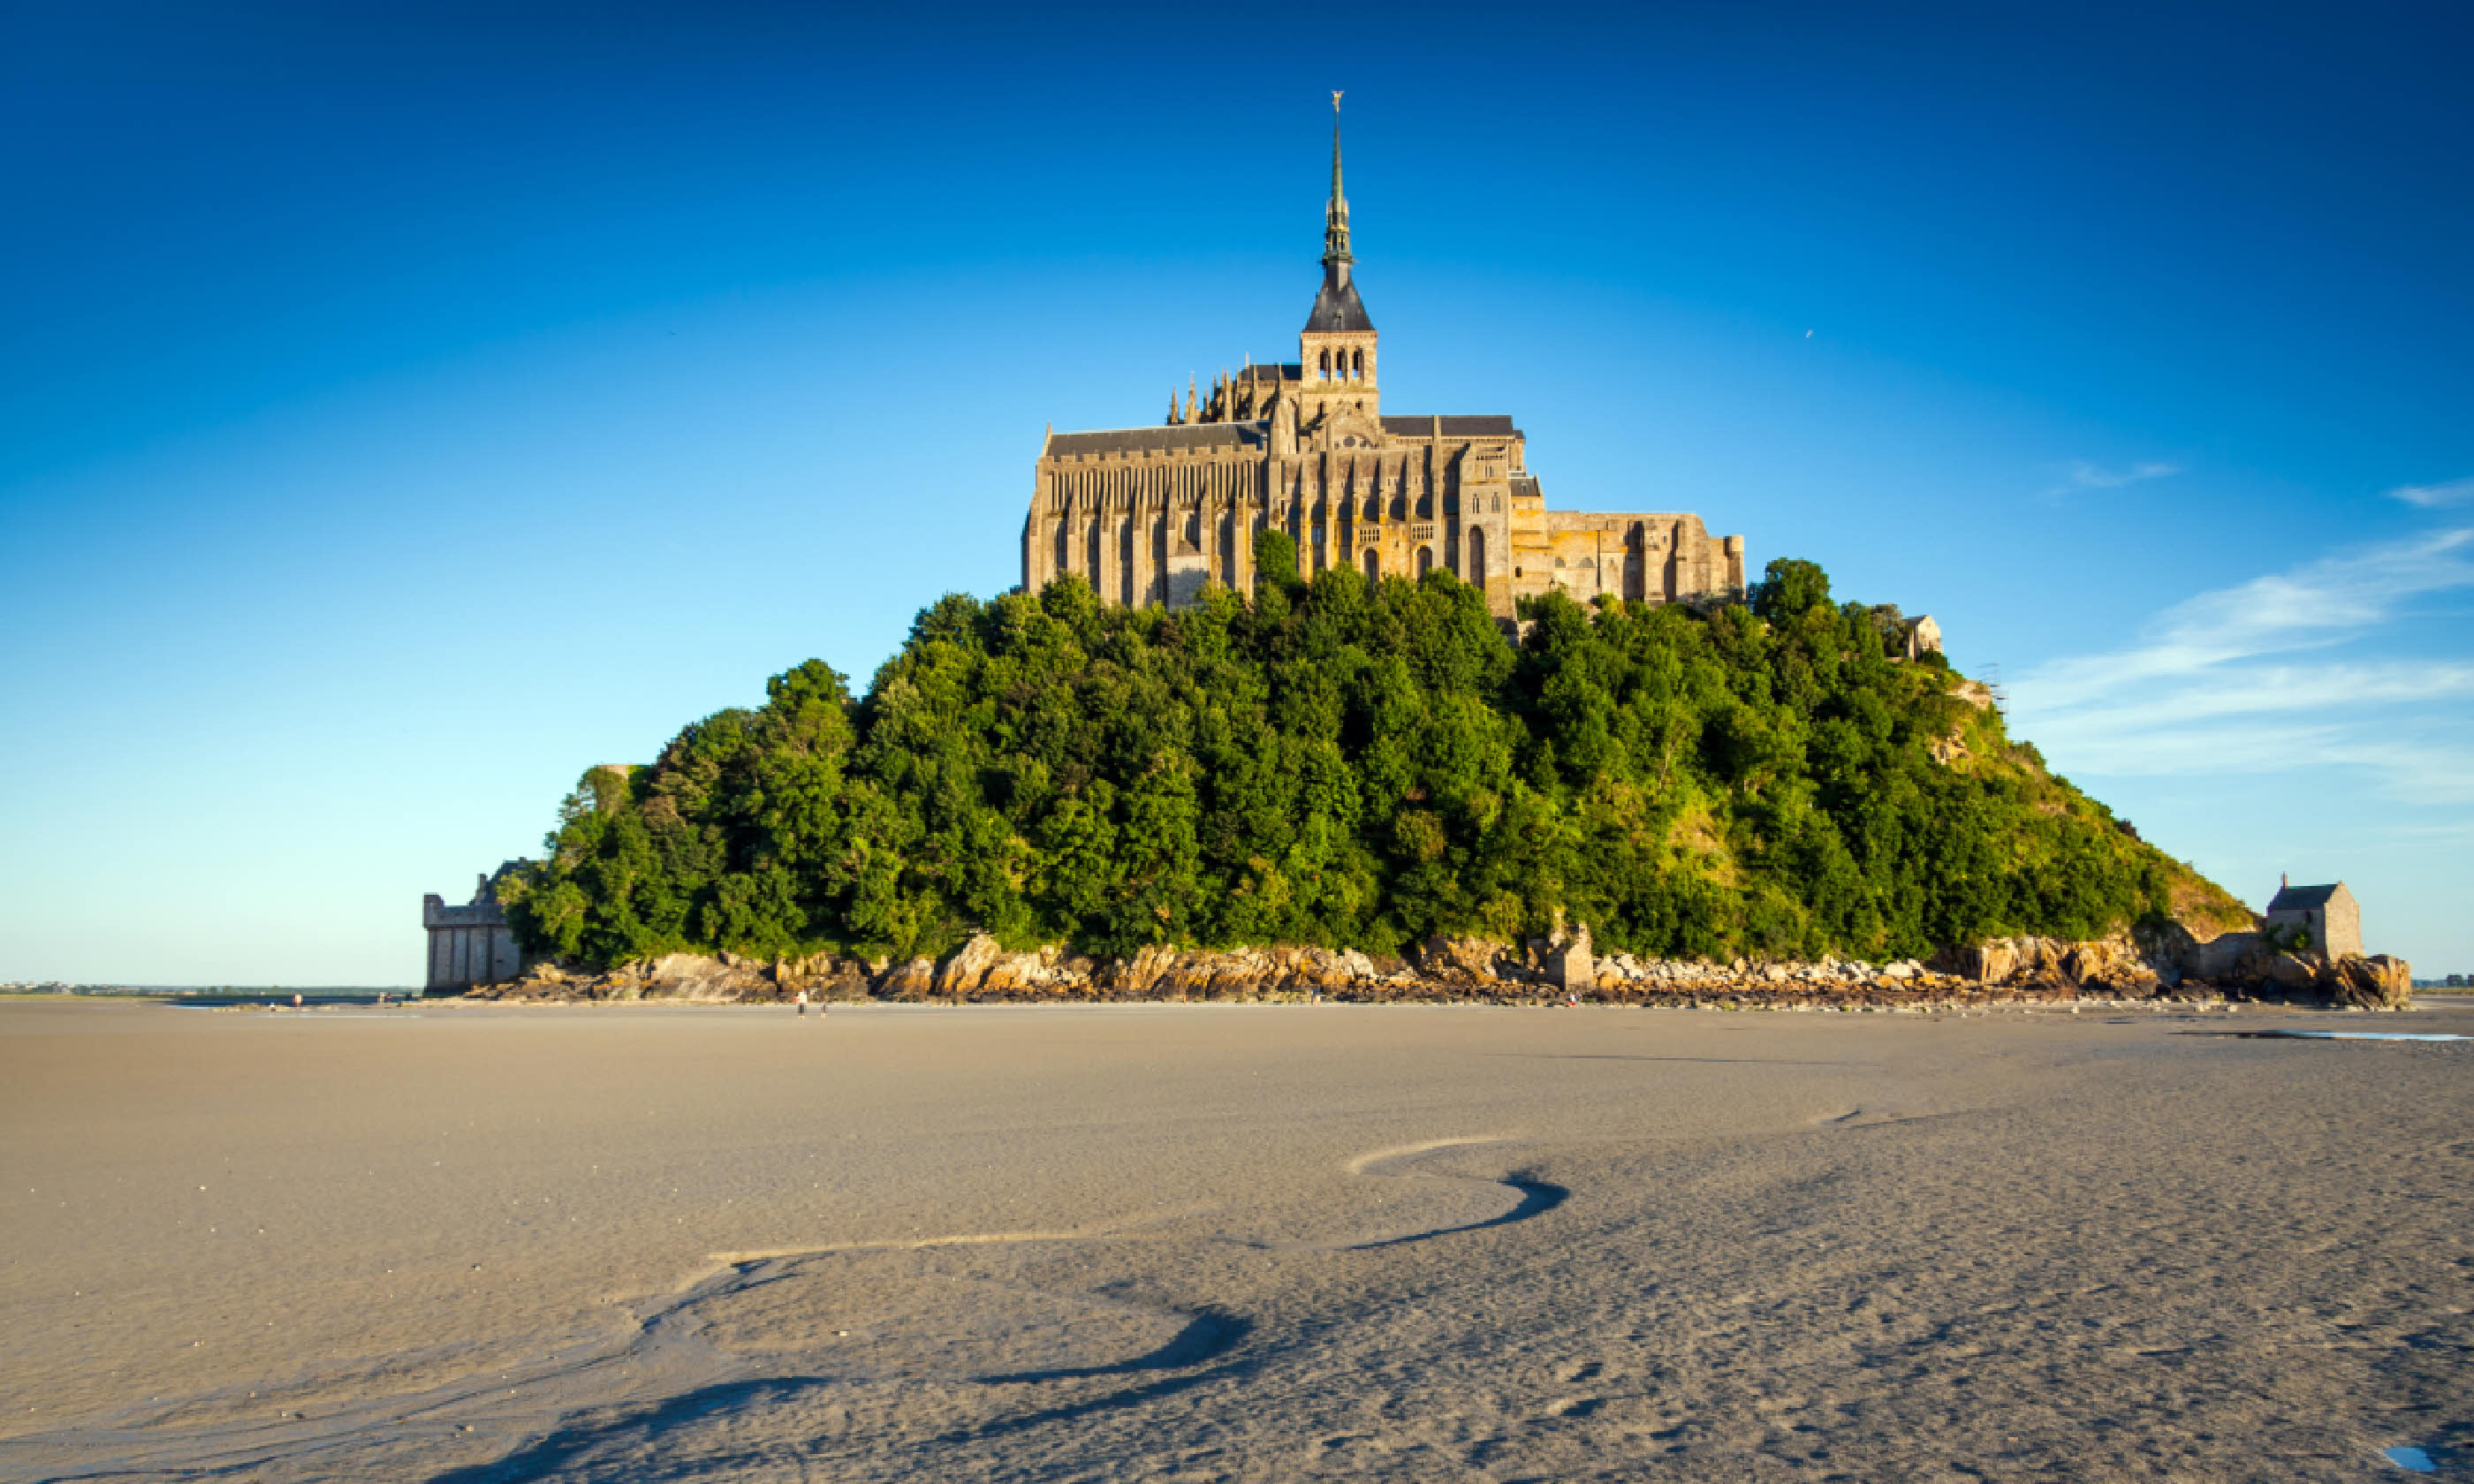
(1335, 231)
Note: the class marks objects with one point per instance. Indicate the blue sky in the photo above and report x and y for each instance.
(403, 407)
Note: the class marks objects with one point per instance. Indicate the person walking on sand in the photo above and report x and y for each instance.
(803, 1004)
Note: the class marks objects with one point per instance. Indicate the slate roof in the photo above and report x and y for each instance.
(1489, 425)
(1292, 372)
(1183, 438)
(2303, 898)
(1337, 307)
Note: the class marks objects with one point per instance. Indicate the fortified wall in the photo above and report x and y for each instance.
(470, 945)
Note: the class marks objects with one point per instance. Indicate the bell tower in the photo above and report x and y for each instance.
(1336, 350)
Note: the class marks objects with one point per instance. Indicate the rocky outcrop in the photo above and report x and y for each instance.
(723, 978)
(2115, 966)
(1558, 968)
(2378, 982)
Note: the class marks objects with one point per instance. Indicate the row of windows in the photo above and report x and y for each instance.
(1373, 560)
(1351, 366)
(1373, 507)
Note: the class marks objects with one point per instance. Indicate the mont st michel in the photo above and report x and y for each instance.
(1431, 915)
(1153, 514)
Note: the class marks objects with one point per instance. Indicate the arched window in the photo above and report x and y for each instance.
(1357, 365)
(1477, 556)
(1374, 566)
(1498, 505)
(1425, 560)
(1322, 367)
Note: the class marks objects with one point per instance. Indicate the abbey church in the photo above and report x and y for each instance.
(1154, 515)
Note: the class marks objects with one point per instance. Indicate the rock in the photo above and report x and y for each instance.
(912, 980)
(1466, 960)
(969, 965)
(2376, 983)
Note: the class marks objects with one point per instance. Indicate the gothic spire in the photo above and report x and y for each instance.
(1337, 308)
(1335, 220)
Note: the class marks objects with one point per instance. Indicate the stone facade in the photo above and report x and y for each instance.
(1154, 515)
(2329, 914)
(469, 945)
(1921, 636)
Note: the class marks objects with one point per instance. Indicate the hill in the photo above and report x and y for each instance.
(1356, 766)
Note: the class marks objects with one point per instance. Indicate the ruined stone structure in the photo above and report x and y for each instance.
(1154, 515)
(2329, 914)
(469, 945)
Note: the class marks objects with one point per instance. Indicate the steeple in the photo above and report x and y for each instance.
(1336, 307)
(1335, 216)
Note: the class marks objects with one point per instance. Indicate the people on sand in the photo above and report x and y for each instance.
(803, 1004)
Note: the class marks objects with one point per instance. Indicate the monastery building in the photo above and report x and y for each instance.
(1154, 515)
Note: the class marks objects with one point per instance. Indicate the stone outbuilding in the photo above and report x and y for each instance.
(1920, 636)
(2329, 914)
(469, 945)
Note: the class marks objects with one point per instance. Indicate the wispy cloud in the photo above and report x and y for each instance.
(2276, 674)
(2457, 492)
(2080, 477)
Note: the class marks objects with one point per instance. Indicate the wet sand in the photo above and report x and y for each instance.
(465, 1243)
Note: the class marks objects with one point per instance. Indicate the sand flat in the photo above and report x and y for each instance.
(1242, 1242)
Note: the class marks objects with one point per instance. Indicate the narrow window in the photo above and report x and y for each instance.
(1477, 556)
(1374, 566)
(1425, 560)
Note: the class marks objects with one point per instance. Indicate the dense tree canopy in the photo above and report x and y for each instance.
(1352, 765)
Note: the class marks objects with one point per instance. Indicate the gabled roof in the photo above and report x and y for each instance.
(1337, 307)
(2305, 898)
(1486, 425)
(1183, 437)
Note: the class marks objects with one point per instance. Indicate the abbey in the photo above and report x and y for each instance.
(1154, 515)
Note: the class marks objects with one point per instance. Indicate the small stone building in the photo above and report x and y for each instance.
(1920, 637)
(2329, 914)
(469, 945)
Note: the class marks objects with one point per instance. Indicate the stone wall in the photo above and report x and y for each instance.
(469, 946)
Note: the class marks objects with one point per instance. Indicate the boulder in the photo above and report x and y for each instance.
(916, 979)
(2375, 982)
